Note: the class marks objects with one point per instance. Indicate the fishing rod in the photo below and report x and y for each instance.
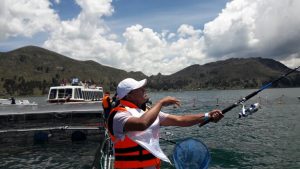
(241, 101)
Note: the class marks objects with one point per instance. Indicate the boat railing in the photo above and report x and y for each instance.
(104, 158)
(107, 156)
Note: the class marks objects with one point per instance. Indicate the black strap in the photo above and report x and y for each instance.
(128, 149)
(134, 157)
(110, 121)
(139, 157)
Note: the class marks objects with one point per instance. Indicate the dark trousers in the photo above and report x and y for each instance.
(106, 113)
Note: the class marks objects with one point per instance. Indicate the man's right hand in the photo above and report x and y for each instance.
(166, 101)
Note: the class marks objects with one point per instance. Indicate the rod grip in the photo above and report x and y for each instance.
(204, 123)
(223, 112)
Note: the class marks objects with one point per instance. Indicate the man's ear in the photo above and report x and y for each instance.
(127, 97)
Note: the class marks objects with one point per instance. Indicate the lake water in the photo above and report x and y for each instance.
(270, 138)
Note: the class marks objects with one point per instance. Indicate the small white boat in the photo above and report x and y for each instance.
(5, 101)
(14, 102)
(26, 103)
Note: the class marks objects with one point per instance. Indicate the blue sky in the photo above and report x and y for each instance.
(154, 36)
(155, 14)
(67, 9)
(163, 14)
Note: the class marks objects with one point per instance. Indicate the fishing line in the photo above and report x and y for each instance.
(167, 140)
(243, 100)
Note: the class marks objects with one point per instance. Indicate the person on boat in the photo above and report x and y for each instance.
(135, 132)
(13, 101)
(106, 104)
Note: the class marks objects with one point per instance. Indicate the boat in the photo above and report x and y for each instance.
(14, 102)
(5, 101)
(75, 94)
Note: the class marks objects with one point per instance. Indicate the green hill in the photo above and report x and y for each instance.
(227, 74)
(32, 70)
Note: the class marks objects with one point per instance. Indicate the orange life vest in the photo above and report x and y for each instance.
(129, 154)
(105, 102)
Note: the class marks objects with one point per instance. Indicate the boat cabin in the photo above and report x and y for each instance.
(74, 94)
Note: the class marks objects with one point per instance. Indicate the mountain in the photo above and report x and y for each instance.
(228, 74)
(32, 70)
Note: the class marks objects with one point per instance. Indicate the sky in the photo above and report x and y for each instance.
(155, 36)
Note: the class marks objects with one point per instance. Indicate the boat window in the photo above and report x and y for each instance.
(84, 95)
(93, 96)
(52, 94)
(79, 93)
(61, 93)
(68, 93)
(98, 95)
(89, 95)
(76, 94)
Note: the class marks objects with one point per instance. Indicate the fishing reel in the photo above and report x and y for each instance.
(250, 110)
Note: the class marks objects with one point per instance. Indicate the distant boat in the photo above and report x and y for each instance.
(13, 102)
(75, 94)
(299, 97)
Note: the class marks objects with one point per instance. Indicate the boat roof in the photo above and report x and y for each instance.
(74, 87)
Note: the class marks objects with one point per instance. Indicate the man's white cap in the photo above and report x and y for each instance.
(129, 84)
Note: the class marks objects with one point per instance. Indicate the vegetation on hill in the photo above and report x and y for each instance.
(228, 74)
(32, 70)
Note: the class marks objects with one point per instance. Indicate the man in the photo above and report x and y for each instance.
(106, 104)
(135, 133)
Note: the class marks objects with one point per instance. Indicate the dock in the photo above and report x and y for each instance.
(51, 120)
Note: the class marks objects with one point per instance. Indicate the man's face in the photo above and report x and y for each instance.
(138, 96)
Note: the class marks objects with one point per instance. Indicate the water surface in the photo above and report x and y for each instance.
(269, 138)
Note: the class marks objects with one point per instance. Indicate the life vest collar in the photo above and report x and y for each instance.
(128, 104)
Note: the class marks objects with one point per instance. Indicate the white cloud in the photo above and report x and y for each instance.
(143, 50)
(86, 37)
(244, 28)
(188, 30)
(292, 61)
(25, 18)
(57, 1)
(152, 53)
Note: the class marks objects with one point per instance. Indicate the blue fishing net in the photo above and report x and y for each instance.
(191, 154)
